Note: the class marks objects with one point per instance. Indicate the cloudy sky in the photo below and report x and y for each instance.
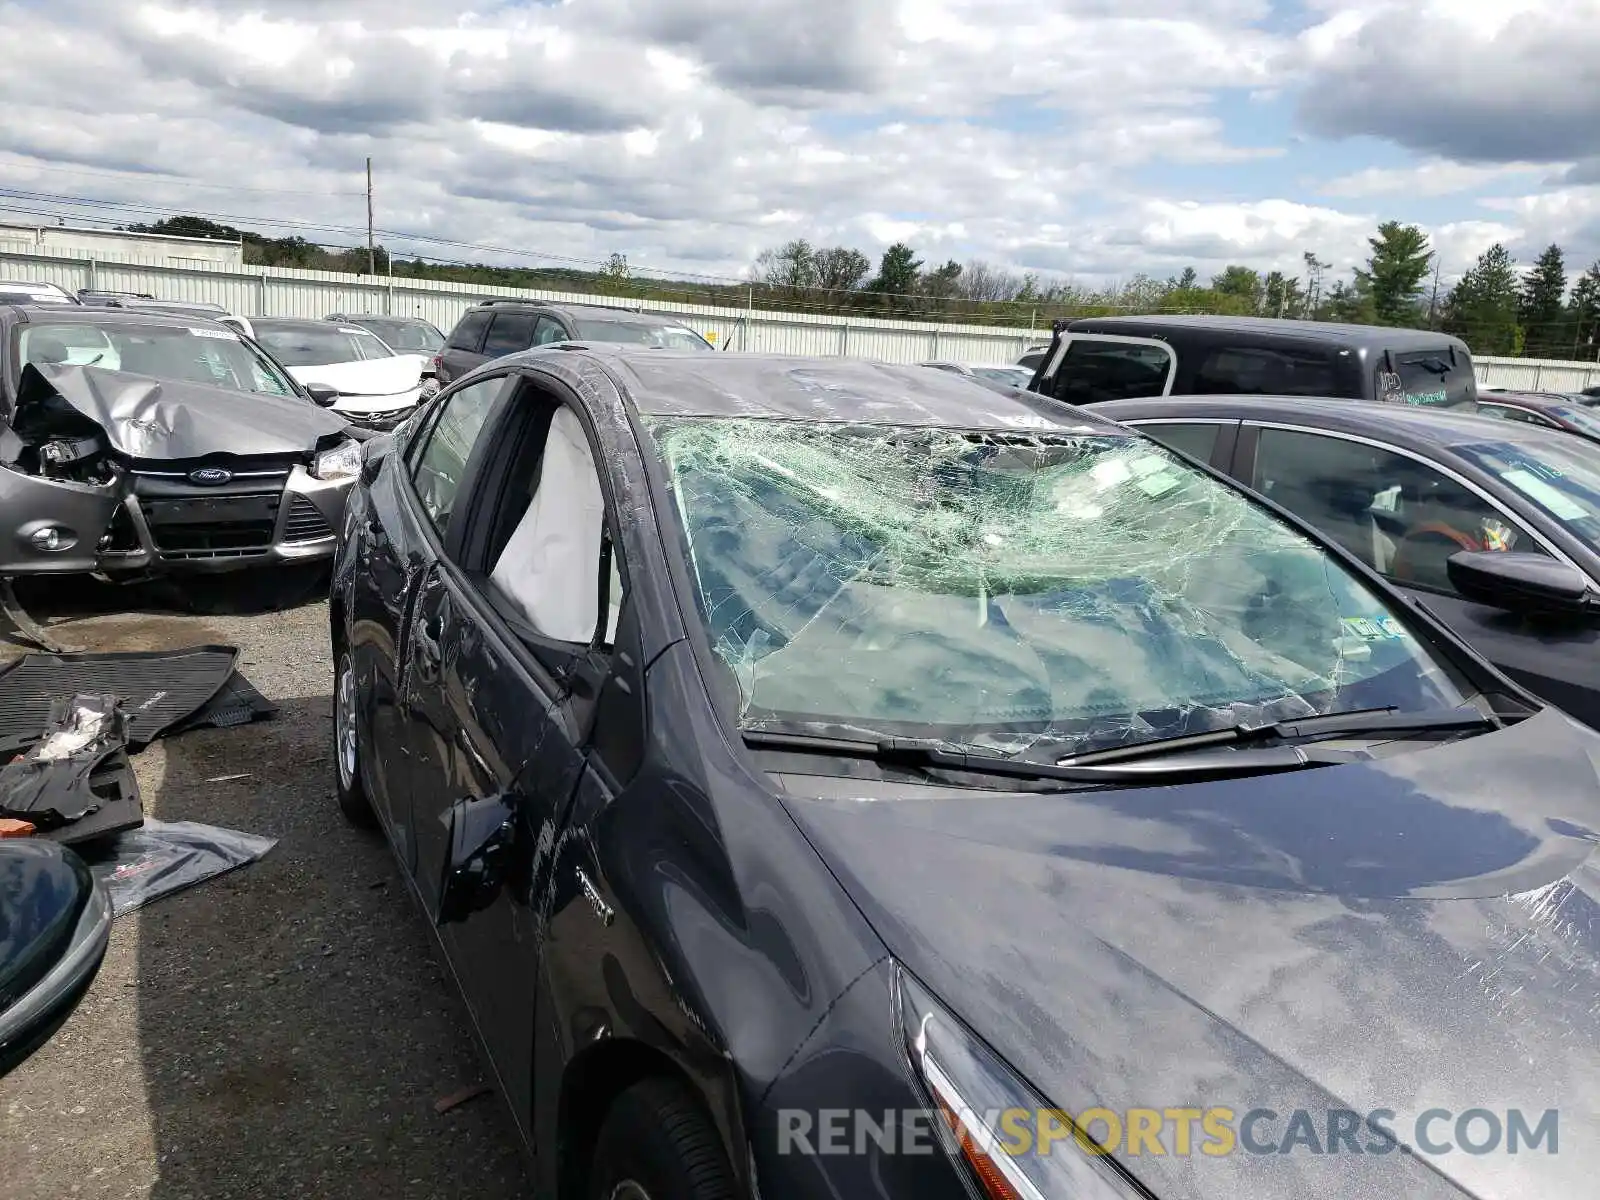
(1092, 137)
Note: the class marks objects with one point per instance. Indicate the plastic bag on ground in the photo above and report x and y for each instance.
(162, 857)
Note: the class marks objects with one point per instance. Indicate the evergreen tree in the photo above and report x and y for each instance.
(1542, 308)
(1585, 315)
(1482, 308)
(1394, 273)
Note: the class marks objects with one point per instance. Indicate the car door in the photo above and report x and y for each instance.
(461, 349)
(514, 626)
(429, 504)
(1090, 367)
(1405, 515)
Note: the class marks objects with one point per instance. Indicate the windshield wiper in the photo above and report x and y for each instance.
(1359, 722)
(917, 752)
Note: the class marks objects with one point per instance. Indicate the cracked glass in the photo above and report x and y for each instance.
(996, 590)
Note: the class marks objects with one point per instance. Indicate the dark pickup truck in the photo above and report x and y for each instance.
(1117, 358)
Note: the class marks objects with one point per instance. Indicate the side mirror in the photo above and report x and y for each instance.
(1530, 584)
(322, 393)
(482, 833)
(57, 921)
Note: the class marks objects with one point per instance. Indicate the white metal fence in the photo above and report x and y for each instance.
(284, 292)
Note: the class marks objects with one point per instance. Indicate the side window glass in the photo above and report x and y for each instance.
(1258, 371)
(1196, 440)
(469, 331)
(442, 463)
(548, 330)
(1092, 370)
(510, 332)
(558, 561)
(1403, 518)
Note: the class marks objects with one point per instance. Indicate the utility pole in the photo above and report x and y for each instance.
(1433, 305)
(372, 254)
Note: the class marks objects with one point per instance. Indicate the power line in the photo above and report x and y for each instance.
(164, 177)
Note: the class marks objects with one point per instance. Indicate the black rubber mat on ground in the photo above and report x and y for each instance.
(238, 703)
(121, 806)
(158, 688)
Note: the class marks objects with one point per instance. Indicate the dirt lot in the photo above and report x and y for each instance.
(282, 1031)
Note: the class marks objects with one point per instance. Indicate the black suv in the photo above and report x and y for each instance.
(1118, 358)
(494, 328)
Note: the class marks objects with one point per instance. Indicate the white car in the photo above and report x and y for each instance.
(376, 388)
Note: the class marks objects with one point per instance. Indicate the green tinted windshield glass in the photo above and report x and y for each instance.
(1559, 473)
(993, 590)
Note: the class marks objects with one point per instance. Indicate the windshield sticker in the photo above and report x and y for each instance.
(1374, 629)
(222, 334)
(347, 329)
(1559, 503)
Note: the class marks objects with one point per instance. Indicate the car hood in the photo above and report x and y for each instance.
(146, 418)
(373, 377)
(1412, 933)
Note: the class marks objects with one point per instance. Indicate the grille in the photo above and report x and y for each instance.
(305, 523)
(234, 520)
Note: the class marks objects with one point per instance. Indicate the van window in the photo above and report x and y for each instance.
(1095, 369)
(1429, 379)
(1256, 370)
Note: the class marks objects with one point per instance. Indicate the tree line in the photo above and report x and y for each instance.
(1495, 307)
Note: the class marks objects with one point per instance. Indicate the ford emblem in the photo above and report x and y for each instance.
(210, 476)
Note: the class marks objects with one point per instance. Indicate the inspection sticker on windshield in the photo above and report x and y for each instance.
(347, 329)
(1374, 629)
(223, 334)
(1562, 505)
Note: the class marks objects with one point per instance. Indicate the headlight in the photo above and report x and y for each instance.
(1017, 1146)
(342, 462)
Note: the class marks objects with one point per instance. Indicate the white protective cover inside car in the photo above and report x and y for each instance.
(550, 568)
(371, 377)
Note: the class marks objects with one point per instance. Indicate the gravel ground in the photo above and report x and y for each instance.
(281, 1031)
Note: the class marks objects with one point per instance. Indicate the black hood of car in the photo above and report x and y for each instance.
(1415, 932)
(145, 418)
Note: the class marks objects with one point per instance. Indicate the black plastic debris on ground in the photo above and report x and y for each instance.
(52, 785)
(238, 703)
(159, 689)
(121, 805)
(163, 857)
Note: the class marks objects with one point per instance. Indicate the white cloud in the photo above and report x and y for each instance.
(691, 133)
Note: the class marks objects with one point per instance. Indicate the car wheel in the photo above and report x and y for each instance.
(658, 1144)
(353, 800)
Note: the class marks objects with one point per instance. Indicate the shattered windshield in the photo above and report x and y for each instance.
(999, 590)
(309, 347)
(169, 352)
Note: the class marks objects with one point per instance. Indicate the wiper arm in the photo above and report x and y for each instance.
(917, 752)
(1359, 722)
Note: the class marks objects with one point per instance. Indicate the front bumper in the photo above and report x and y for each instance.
(150, 523)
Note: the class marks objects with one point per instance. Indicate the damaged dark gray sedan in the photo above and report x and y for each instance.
(831, 780)
(137, 442)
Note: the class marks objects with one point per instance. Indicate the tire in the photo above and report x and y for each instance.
(658, 1144)
(353, 802)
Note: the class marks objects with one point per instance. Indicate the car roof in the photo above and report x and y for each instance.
(1376, 336)
(783, 387)
(1527, 399)
(90, 314)
(299, 323)
(1408, 424)
(589, 312)
(357, 318)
